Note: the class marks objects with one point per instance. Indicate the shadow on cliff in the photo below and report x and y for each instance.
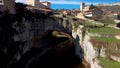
(79, 50)
(9, 47)
(50, 51)
(47, 52)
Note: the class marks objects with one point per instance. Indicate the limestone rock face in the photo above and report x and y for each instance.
(102, 52)
(115, 58)
(29, 28)
(53, 49)
(89, 52)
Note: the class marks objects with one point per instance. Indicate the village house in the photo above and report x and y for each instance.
(88, 12)
(66, 12)
(83, 7)
(113, 15)
(111, 10)
(97, 13)
(40, 6)
(46, 5)
(7, 5)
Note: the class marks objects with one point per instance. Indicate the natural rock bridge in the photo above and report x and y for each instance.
(26, 38)
(37, 26)
(46, 35)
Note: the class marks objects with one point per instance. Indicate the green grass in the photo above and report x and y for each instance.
(87, 23)
(105, 30)
(108, 63)
(91, 25)
(112, 23)
(118, 52)
(104, 39)
(109, 44)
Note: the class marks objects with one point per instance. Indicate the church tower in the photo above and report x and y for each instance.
(82, 5)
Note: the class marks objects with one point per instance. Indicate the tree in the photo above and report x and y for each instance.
(92, 6)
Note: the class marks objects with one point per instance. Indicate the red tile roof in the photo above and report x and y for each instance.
(45, 2)
(41, 9)
(46, 10)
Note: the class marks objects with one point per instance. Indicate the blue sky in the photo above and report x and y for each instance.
(69, 4)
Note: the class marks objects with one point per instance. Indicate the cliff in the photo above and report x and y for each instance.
(82, 42)
(18, 30)
(36, 39)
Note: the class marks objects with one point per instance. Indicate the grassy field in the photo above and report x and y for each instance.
(105, 30)
(108, 63)
(104, 39)
(90, 24)
(112, 23)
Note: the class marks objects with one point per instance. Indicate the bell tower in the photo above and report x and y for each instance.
(82, 5)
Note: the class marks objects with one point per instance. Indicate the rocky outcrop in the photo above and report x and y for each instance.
(53, 49)
(32, 27)
(115, 58)
(36, 26)
(26, 36)
(117, 36)
(102, 52)
(89, 54)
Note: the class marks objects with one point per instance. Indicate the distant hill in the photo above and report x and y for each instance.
(112, 4)
(115, 7)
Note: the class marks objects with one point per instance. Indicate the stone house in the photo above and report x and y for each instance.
(84, 8)
(93, 13)
(97, 13)
(7, 5)
(114, 16)
(38, 4)
(46, 4)
(90, 12)
(39, 7)
(32, 2)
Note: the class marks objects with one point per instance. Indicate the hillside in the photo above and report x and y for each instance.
(114, 8)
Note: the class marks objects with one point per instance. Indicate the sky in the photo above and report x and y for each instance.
(70, 4)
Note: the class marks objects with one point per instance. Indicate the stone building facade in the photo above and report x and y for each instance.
(32, 2)
(46, 4)
(7, 5)
(38, 4)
